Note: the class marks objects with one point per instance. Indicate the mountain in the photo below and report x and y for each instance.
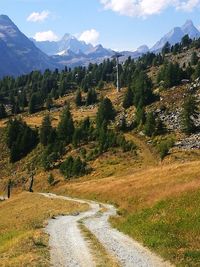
(100, 52)
(72, 52)
(68, 42)
(17, 53)
(176, 34)
(20, 55)
(143, 49)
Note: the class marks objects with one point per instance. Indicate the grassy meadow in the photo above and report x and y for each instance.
(22, 221)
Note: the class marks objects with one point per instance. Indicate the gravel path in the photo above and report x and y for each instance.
(69, 249)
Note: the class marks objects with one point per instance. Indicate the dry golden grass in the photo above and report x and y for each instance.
(148, 157)
(22, 218)
(141, 189)
(158, 206)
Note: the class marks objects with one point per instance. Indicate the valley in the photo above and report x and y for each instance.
(114, 175)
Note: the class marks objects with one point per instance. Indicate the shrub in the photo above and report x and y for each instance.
(51, 179)
(164, 147)
(73, 167)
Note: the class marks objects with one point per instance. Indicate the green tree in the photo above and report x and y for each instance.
(45, 130)
(51, 179)
(150, 125)
(32, 104)
(3, 113)
(197, 71)
(186, 41)
(160, 127)
(78, 99)
(20, 139)
(194, 58)
(190, 111)
(65, 128)
(166, 48)
(77, 136)
(91, 97)
(49, 102)
(128, 98)
(140, 116)
(105, 113)
(142, 89)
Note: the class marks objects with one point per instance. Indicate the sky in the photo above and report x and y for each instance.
(116, 24)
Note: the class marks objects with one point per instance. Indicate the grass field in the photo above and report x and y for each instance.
(171, 228)
(22, 219)
(158, 206)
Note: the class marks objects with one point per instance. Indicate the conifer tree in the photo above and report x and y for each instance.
(128, 98)
(65, 128)
(3, 113)
(194, 58)
(45, 130)
(105, 113)
(190, 111)
(49, 102)
(150, 125)
(32, 104)
(78, 99)
(91, 97)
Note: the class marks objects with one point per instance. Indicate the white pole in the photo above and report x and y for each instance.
(118, 89)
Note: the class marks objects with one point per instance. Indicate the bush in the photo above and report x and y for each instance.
(164, 147)
(73, 167)
(51, 179)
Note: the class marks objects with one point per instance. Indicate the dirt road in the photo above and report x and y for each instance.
(70, 249)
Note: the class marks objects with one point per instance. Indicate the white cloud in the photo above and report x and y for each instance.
(144, 8)
(188, 5)
(45, 36)
(38, 16)
(90, 36)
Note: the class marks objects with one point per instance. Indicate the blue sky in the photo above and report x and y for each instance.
(116, 24)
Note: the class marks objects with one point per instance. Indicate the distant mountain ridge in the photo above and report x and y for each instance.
(176, 34)
(18, 55)
(71, 43)
(21, 55)
(68, 42)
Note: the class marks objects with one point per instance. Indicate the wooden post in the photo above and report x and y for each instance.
(31, 183)
(9, 189)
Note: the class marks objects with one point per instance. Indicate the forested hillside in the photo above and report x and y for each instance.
(71, 132)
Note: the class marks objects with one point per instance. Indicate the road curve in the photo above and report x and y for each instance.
(70, 249)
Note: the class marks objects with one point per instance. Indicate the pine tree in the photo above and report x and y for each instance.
(128, 98)
(3, 113)
(65, 128)
(150, 125)
(197, 71)
(142, 89)
(77, 136)
(32, 104)
(140, 116)
(49, 102)
(20, 139)
(186, 41)
(105, 113)
(45, 130)
(91, 97)
(78, 99)
(190, 111)
(160, 127)
(14, 153)
(194, 58)
(166, 48)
